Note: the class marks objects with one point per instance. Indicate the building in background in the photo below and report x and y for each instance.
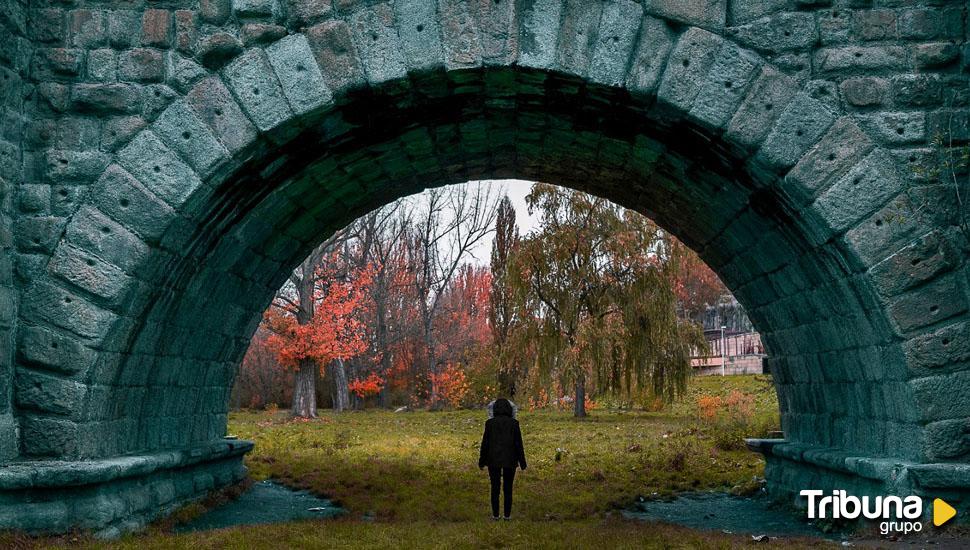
(735, 346)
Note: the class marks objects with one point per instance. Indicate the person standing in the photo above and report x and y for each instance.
(501, 451)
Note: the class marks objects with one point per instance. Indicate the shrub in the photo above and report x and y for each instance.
(729, 420)
(450, 385)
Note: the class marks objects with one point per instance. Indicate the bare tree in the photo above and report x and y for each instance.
(381, 234)
(447, 227)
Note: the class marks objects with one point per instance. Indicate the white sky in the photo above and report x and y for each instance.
(517, 191)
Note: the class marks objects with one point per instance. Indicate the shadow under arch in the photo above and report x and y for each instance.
(207, 210)
(810, 300)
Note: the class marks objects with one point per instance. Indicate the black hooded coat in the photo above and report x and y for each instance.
(502, 440)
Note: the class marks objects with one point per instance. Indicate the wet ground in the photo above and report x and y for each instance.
(762, 519)
(268, 502)
(264, 502)
(729, 514)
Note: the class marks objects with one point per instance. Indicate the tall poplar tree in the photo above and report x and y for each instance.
(501, 314)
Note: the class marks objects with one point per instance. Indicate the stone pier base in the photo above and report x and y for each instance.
(792, 467)
(114, 495)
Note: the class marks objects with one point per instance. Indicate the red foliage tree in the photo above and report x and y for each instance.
(462, 323)
(336, 331)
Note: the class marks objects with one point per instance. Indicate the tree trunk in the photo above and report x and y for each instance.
(305, 381)
(383, 345)
(341, 398)
(434, 401)
(304, 390)
(579, 406)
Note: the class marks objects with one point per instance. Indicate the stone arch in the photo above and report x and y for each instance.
(130, 333)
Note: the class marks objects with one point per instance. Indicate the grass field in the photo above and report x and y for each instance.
(411, 480)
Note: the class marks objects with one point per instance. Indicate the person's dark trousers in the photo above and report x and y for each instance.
(507, 476)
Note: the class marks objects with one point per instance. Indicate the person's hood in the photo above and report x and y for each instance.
(501, 407)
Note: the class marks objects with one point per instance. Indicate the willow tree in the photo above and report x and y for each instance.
(595, 284)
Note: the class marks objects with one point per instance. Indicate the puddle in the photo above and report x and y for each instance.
(724, 512)
(264, 502)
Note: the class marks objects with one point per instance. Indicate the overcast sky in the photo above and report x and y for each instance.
(516, 190)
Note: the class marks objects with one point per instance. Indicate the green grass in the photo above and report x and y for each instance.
(422, 465)
(411, 479)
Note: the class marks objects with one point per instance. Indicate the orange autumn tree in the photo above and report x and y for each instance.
(332, 332)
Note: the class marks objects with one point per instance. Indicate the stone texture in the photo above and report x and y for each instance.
(259, 34)
(841, 148)
(865, 91)
(217, 49)
(865, 187)
(702, 13)
(656, 41)
(916, 263)
(929, 304)
(870, 58)
(214, 104)
(182, 131)
(115, 495)
(67, 310)
(110, 269)
(105, 98)
(336, 54)
(88, 272)
(419, 30)
(48, 394)
(689, 62)
(301, 13)
(460, 40)
(48, 350)
(378, 43)
(214, 11)
(141, 65)
(801, 125)
(299, 74)
(94, 232)
(158, 168)
(156, 28)
(539, 31)
(896, 128)
(616, 37)
(577, 35)
(778, 33)
(259, 91)
(766, 99)
(721, 94)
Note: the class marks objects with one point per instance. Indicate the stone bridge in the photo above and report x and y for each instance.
(164, 164)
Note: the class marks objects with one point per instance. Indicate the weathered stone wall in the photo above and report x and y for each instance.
(179, 157)
(14, 55)
(114, 496)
